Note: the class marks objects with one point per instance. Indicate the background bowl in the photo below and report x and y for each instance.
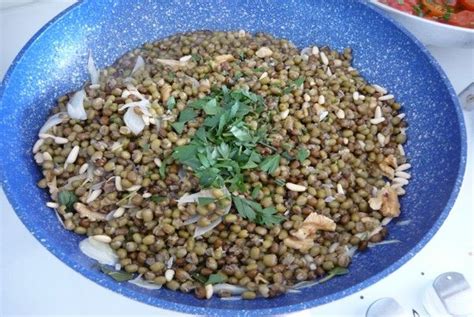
(431, 32)
(54, 62)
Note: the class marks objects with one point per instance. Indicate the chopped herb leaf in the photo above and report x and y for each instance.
(259, 69)
(254, 212)
(244, 208)
(205, 200)
(334, 272)
(302, 154)
(157, 198)
(67, 198)
(199, 277)
(196, 57)
(215, 279)
(298, 82)
(256, 191)
(178, 126)
(269, 217)
(280, 182)
(270, 164)
(170, 103)
(119, 276)
(187, 115)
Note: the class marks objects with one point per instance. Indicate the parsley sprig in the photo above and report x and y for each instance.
(226, 144)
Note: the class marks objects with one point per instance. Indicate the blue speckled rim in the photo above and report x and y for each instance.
(282, 309)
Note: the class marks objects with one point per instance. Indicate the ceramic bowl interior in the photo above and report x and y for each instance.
(54, 62)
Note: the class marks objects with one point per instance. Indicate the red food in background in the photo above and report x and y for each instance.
(464, 19)
(454, 12)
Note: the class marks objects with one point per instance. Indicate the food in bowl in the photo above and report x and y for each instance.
(225, 163)
(453, 12)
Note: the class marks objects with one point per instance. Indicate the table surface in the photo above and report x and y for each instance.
(25, 266)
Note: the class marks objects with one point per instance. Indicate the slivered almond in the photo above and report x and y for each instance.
(224, 58)
(263, 52)
(85, 212)
(295, 187)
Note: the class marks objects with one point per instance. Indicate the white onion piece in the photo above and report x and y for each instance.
(371, 245)
(232, 298)
(192, 220)
(75, 106)
(93, 72)
(333, 247)
(205, 193)
(73, 179)
(52, 121)
(134, 121)
(203, 230)
(403, 222)
(293, 291)
(99, 251)
(139, 64)
(306, 51)
(304, 284)
(386, 221)
(59, 218)
(170, 262)
(351, 251)
(233, 289)
(97, 186)
(194, 82)
(138, 281)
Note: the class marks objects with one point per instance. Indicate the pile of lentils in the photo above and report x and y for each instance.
(340, 159)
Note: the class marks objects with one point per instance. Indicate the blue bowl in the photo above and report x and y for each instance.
(54, 62)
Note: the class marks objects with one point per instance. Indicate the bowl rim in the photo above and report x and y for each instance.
(421, 19)
(208, 311)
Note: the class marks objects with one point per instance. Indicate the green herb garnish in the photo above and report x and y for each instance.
(255, 212)
(119, 276)
(215, 279)
(227, 144)
(67, 198)
(205, 200)
(171, 102)
(302, 154)
(334, 272)
(157, 198)
(270, 164)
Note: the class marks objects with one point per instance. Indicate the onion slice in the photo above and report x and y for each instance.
(99, 251)
(52, 121)
(233, 289)
(203, 230)
(75, 106)
(140, 282)
(139, 64)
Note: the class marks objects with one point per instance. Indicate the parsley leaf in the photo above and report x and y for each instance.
(170, 103)
(178, 126)
(119, 276)
(215, 279)
(244, 208)
(269, 217)
(67, 198)
(334, 272)
(270, 164)
(302, 154)
(205, 200)
(157, 199)
(254, 212)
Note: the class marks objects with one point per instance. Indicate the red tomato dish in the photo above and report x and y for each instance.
(454, 12)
